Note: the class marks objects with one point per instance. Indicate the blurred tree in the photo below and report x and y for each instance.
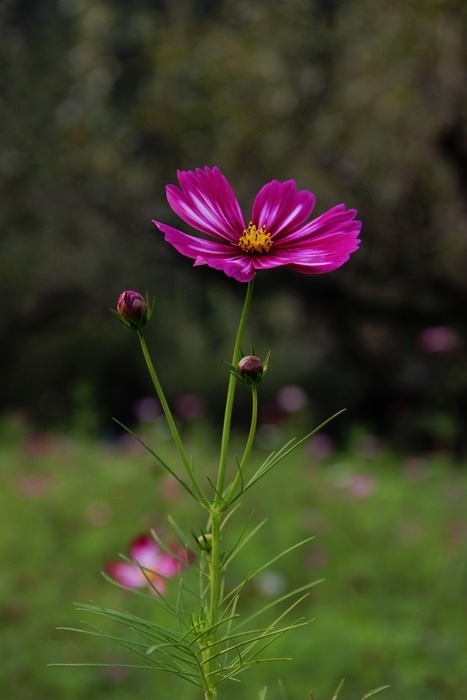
(362, 101)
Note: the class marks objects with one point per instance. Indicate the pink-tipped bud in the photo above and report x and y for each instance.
(133, 310)
(250, 366)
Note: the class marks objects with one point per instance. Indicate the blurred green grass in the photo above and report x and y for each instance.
(390, 542)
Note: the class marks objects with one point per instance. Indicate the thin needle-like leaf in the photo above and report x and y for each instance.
(376, 690)
(241, 542)
(267, 564)
(276, 457)
(277, 601)
(338, 689)
(158, 458)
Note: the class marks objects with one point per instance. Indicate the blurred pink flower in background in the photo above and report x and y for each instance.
(292, 398)
(34, 486)
(361, 485)
(157, 564)
(356, 485)
(321, 446)
(37, 445)
(289, 400)
(147, 409)
(439, 339)
(189, 406)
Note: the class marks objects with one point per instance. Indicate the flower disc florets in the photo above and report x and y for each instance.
(255, 241)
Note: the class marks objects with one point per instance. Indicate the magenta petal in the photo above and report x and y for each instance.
(220, 256)
(167, 566)
(208, 203)
(333, 220)
(145, 551)
(280, 207)
(128, 575)
(322, 253)
(320, 246)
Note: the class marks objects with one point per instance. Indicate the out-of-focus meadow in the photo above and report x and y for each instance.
(390, 540)
(362, 102)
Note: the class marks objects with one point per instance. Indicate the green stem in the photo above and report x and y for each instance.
(171, 423)
(215, 554)
(215, 588)
(218, 505)
(230, 398)
(249, 444)
(210, 694)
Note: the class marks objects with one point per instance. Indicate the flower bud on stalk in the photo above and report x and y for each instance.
(251, 368)
(133, 310)
(204, 541)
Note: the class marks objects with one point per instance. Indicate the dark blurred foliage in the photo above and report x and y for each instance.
(362, 101)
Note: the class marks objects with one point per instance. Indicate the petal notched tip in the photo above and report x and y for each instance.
(207, 202)
(280, 207)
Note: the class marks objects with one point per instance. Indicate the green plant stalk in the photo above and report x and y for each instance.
(217, 508)
(230, 398)
(171, 423)
(215, 594)
(249, 444)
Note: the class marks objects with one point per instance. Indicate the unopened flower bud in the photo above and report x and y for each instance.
(133, 310)
(251, 366)
(204, 541)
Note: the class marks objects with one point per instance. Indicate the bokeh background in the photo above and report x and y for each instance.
(361, 102)
(101, 101)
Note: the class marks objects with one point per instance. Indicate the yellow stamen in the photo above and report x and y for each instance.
(255, 241)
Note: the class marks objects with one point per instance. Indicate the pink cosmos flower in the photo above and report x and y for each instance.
(439, 339)
(275, 235)
(157, 564)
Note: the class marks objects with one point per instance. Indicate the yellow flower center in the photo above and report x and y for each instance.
(255, 241)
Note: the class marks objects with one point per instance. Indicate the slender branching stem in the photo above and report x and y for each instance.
(249, 444)
(171, 423)
(218, 504)
(216, 511)
(215, 595)
(230, 399)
